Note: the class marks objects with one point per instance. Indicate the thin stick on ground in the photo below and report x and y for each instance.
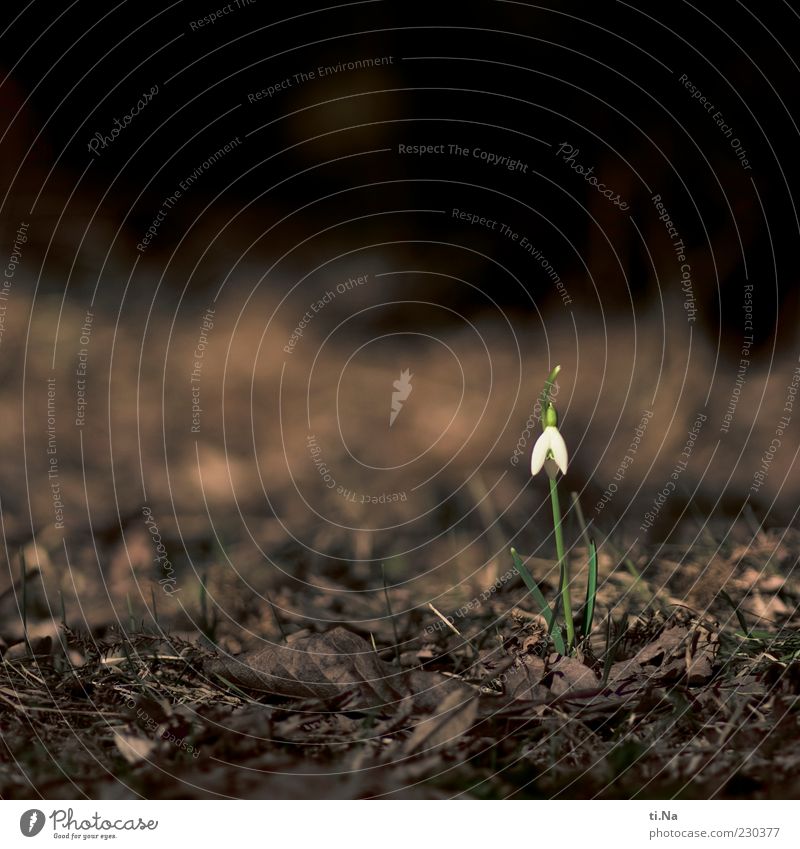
(452, 627)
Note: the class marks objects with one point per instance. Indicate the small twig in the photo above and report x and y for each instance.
(113, 661)
(13, 704)
(452, 627)
(234, 689)
(21, 667)
(70, 712)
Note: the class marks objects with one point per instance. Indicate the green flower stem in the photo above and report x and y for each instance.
(562, 563)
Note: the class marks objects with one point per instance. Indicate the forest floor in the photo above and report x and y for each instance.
(464, 698)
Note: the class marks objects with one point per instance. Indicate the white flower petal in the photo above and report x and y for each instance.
(559, 449)
(539, 453)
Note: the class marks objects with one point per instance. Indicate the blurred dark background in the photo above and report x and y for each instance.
(696, 104)
(504, 77)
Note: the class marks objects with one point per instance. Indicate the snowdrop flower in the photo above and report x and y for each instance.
(550, 451)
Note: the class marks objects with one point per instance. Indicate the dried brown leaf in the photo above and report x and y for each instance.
(132, 747)
(571, 676)
(701, 651)
(665, 648)
(326, 666)
(429, 689)
(679, 652)
(453, 717)
(524, 680)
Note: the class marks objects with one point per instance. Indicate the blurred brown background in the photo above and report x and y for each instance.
(313, 190)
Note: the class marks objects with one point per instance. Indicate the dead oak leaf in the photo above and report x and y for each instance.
(331, 666)
(523, 681)
(679, 652)
(701, 652)
(569, 675)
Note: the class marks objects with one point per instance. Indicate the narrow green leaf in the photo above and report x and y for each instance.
(739, 615)
(576, 506)
(155, 606)
(635, 574)
(63, 609)
(591, 591)
(235, 690)
(755, 634)
(531, 584)
(131, 617)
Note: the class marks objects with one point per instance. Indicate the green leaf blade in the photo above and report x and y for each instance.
(591, 591)
(541, 601)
